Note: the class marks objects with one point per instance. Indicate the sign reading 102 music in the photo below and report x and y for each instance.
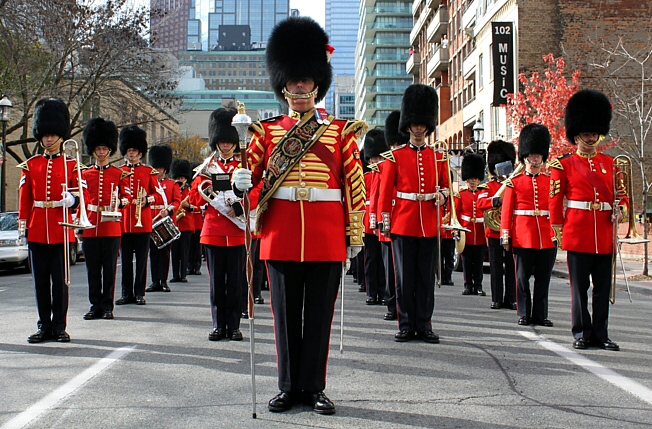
(503, 60)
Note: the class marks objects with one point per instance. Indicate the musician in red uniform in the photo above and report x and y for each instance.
(310, 208)
(223, 231)
(585, 178)
(182, 174)
(472, 218)
(415, 177)
(195, 253)
(501, 261)
(41, 201)
(525, 226)
(136, 214)
(166, 201)
(104, 192)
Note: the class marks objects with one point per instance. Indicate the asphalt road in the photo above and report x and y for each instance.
(153, 367)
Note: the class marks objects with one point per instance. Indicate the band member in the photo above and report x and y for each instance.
(374, 145)
(184, 219)
(525, 226)
(104, 192)
(195, 253)
(310, 208)
(166, 201)
(417, 177)
(41, 202)
(447, 250)
(223, 231)
(472, 217)
(501, 261)
(136, 215)
(585, 178)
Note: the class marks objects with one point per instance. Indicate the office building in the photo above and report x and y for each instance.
(342, 21)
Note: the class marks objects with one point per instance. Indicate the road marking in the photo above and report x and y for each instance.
(601, 371)
(51, 400)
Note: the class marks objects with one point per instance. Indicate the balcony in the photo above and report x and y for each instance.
(438, 26)
(415, 6)
(418, 25)
(437, 63)
(469, 19)
(433, 4)
(413, 63)
(469, 66)
(391, 9)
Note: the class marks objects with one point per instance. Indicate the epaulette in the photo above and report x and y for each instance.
(355, 126)
(80, 166)
(388, 155)
(456, 194)
(555, 163)
(125, 174)
(257, 127)
(483, 186)
(23, 166)
(154, 171)
(508, 182)
(374, 167)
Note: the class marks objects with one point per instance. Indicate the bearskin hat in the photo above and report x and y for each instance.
(297, 48)
(587, 111)
(419, 107)
(392, 135)
(534, 139)
(220, 128)
(100, 132)
(132, 137)
(181, 168)
(374, 143)
(499, 151)
(473, 167)
(160, 156)
(51, 117)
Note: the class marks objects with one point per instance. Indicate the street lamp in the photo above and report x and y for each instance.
(478, 134)
(5, 107)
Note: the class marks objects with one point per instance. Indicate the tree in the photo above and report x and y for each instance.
(543, 100)
(192, 148)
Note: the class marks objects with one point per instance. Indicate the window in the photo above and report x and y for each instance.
(480, 70)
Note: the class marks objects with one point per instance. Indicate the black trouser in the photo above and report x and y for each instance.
(303, 301)
(414, 264)
(447, 259)
(225, 268)
(101, 254)
(501, 262)
(180, 249)
(359, 268)
(373, 267)
(51, 290)
(537, 262)
(390, 280)
(194, 258)
(137, 243)
(472, 260)
(159, 262)
(582, 269)
(256, 278)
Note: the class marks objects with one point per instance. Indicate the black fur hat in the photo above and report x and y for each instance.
(297, 48)
(100, 132)
(181, 168)
(220, 128)
(51, 116)
(499, 151)
(133, 137)
(587, 111)
(534, 139)
(160, 156)
(374, 143)
(392, 135)
(473, 167)
(419, 107)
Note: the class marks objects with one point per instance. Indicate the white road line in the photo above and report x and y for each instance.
(51, 400)
(601, 371)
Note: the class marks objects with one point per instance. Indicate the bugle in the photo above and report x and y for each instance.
(181, 212)
(113, 214)
(139, 201)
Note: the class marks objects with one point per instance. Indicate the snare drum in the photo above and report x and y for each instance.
(164, 232)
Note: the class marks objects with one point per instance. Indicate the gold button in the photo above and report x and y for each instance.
(303, 165)
(303, 185)
(303, 174)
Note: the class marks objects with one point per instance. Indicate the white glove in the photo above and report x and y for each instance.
(215, 204)
(352, 251)
(68, 200)
(242, 179)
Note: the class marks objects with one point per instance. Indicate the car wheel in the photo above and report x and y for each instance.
(73, 253)
(457, 262)
(27, 266)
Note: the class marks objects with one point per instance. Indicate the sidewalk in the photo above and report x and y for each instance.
(633, 267)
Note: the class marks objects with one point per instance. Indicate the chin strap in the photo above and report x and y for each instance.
(292, 96)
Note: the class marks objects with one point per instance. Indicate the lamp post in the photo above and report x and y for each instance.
(478, 134)
(5, 107)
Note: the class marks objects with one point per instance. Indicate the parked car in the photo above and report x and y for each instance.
(13, 251)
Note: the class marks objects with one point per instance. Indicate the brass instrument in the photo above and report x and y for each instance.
(622, 183)
(113, 214)
(181, 212)
(492, 215)
(139, 201)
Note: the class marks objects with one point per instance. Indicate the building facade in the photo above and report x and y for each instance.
(169, 21)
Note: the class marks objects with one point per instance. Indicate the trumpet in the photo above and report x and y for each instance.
(113, 214)
(139, 201)
(181, 212)
(492, 215)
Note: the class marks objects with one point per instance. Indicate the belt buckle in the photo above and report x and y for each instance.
(473, 220)
(595, 206)
(303, 194)
(537, 212)
(100, 209)
(47, 204)
(421, 197)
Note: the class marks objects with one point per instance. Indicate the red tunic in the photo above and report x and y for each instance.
(411, 170)
(485, 202)
(529, 196)
(373, 200)
(41, 184)
(470, 215)
(100, 182)
(171, 201)
(311, 230)
(370, 183)
(187, 222)
(142, 176)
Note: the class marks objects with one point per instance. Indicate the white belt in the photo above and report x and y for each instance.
(415, 197)
(532, 212)
(307, 194)
(94, 208)
(157, 207)
(472, 219)
(48, 204)
(588, 205)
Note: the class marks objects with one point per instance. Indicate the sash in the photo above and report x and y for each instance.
(286, 154)
(223, 199)
(584, 171)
